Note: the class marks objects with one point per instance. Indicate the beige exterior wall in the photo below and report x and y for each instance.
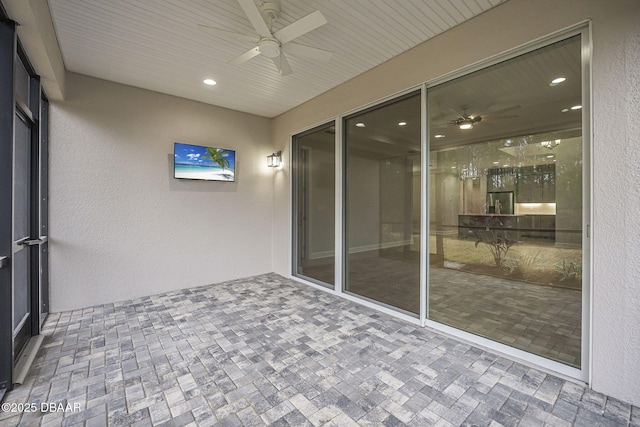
(120, 225)
(615, 293)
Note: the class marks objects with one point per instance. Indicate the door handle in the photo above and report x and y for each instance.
(4, 261)
(32, 242)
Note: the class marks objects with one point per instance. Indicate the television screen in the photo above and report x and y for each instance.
(207, 163)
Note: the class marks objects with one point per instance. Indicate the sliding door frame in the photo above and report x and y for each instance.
(582, 29)
(390, 100)
(295, 202)
(8, 45)
(584, 372)
(340, 203)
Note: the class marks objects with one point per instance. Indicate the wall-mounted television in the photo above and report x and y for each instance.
(205, 163)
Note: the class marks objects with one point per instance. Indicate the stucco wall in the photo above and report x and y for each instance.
(121, 225)
(615, 287)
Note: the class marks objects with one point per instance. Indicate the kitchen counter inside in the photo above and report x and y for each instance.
(515, 226)
(459, 215)
(469, 225)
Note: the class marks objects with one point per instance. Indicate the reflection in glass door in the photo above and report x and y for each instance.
(382, 200)
(505, 197)
(314, 204)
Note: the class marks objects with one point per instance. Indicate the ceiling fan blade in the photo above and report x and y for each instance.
(504, 110)
(282, 65)
(255, 17)
(228, 34)
(300, 27)
(308, 51)
(448, 110)
(513, 116)
(245, 56)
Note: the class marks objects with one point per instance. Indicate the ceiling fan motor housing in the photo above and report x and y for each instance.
(269, 47)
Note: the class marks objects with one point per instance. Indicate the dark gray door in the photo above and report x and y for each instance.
(23, 203)
(22, 250)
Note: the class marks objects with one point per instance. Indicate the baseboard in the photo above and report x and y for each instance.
(360, 249)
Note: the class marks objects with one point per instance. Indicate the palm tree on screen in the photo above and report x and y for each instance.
(217, 155)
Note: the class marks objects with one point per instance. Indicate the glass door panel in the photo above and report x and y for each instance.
(314, 205)
(382, 200)
(505, 189)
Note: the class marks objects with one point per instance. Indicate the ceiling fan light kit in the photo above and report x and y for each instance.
(271, 45)
(466, 122)
(269, 48)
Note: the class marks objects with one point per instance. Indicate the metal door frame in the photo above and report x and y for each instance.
(8, 44)
(37, 117)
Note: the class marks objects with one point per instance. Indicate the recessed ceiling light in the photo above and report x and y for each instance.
(564, 110)
(576, 107)
(360, 124)
(465, 126)
(505, 166)
(439, 135)
(209, 82)
(453, 167)
(496, 163)
(557, 81)
(550, 156)
(402, 123)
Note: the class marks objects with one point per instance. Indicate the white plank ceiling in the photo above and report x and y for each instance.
(156, 45)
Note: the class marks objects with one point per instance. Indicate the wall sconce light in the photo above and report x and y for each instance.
(274, 160)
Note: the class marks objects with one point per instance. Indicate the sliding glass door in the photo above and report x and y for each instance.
(314, 204)
(505, 196)
(382, 201)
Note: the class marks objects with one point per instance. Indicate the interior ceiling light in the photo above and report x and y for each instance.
(439, 135)
(557, 81)
(576, 107)
(465, 121)
(564, 110)
(209, 82)
(402, 123)
(496, 163)
(360, 124)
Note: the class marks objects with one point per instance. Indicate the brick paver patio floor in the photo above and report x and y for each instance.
(268, 351)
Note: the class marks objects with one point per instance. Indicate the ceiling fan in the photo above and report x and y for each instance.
(465, 121)
(274, 45)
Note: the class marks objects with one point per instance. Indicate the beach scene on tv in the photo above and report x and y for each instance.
(207, 163)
